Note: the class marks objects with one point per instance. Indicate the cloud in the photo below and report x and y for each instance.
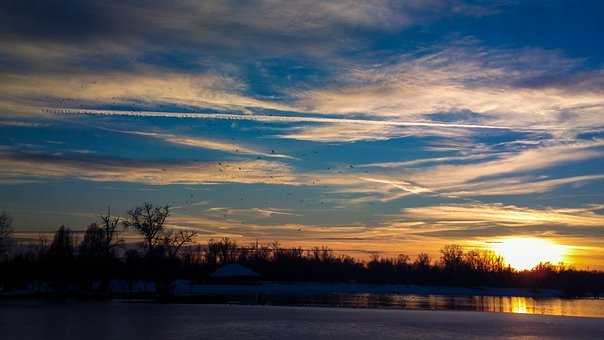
(98, 54)
(368, 130)
(444, 176)
(504, 173)
(31, 166)
(276, 118)
(423, 161)
(250, 212)
(231, 25)
(205, 143)
(22, 123)
(504, 215)
(505, 87)
(205, 90)
(483, 173)
(294, 233)
(517, 186)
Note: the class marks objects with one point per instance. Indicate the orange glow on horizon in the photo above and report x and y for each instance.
(527, 252)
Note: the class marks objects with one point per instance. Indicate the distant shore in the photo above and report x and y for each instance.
(311, 288)
(184, 288)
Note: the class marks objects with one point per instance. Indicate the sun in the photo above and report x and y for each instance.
(526, 252)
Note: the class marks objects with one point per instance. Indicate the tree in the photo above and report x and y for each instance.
(173, 241)
(100, 240)
(60, 257)
(221, 251)
(96, 253)
(6, 232)
(162, 245)
(93, 243)
(422, 262)
(149, 221)
(110, 230)
(61, 247)
(452, 257)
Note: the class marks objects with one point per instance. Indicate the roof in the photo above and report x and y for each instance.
(234, 270)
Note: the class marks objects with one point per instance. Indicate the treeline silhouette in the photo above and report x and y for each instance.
(166, 255)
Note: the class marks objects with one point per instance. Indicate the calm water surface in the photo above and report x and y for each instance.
(89, 320)
(522, 305)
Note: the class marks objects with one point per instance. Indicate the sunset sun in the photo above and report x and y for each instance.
(525, 253)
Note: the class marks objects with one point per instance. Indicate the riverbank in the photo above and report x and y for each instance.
(187, 288)
(312, 288)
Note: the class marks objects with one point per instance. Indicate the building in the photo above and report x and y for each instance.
(235, 273)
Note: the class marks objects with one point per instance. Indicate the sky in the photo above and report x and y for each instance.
(372, 127)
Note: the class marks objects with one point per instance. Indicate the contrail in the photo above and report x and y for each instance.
(269, 118)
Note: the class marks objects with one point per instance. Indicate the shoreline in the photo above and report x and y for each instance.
(318, 288)
(185, 289)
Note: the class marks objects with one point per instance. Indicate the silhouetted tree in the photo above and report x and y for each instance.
(60, 257)
(422, 262)
(100, 240)
(452, 257)
(96, 251)
(173, 241)
(6, 232)
(221, 251)
(149, 221)
(162, 244)
(61, 246)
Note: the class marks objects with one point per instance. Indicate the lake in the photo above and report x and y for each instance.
(30, 319)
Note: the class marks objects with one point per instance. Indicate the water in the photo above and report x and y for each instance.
(505, 304)
(66, 320)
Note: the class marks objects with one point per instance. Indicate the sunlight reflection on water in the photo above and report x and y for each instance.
(522, 305)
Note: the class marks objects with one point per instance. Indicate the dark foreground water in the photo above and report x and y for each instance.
(26, 319)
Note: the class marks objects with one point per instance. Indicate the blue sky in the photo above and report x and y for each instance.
(373, 126)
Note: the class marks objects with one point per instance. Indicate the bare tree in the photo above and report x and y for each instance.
(150, 222)
(96, 252)
(101, 239)
(452, 257)
(110, 229)
(221, 251)
(422, 262)
(173, 241)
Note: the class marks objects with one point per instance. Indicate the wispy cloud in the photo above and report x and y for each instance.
(206, 90)
(273, 118)
(518, 186)
(506, 87)
(259, 27)
(444, 176)
(205, 143)
(424, 161)
(32, 166)
(267, 212)
(504, 215)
